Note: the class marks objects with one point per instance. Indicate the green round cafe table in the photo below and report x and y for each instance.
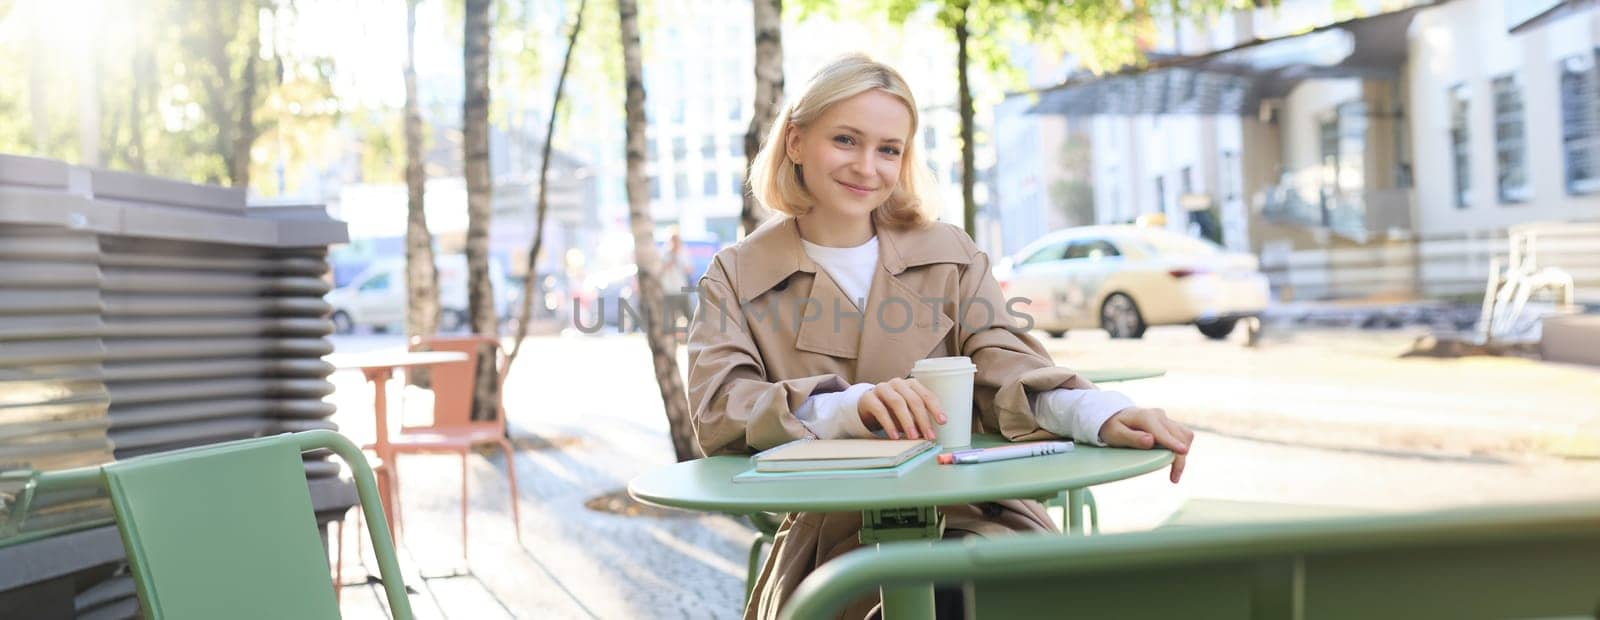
(903, 508)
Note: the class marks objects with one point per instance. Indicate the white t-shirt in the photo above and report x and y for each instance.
(850, 268)
(1078, 414)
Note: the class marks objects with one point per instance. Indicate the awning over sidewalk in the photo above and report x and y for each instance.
(1235, 80)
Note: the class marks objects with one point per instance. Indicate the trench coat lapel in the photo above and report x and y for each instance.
(837, 329)
(905, 328)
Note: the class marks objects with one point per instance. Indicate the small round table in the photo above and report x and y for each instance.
(897, 509)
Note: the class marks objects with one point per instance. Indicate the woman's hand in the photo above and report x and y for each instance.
(901, 407)
(1145, 428)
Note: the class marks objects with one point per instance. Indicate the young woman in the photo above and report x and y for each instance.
(809, 326)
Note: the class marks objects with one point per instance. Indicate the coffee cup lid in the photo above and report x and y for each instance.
(943, 364)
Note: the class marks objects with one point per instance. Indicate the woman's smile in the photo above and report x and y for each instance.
(856, 189)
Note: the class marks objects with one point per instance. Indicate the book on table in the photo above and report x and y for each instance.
(838, 458)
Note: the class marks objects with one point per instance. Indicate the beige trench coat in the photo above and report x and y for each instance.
(773, 329)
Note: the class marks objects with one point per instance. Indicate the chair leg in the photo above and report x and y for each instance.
(511, 476)
(399, 521)
(1094, 511)
(338, 556)
(464, 505)
(361, 547)
(389, 494)
(754, 568)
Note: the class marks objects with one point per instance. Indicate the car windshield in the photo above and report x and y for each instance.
(1172, 244)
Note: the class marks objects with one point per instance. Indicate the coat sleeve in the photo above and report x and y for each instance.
(736, 409)
(1012, 365)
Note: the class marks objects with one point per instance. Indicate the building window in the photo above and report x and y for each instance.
(1459, 149)
(680, 185)
(1352, 148)
(736, 184)
(1580, 123)
(736, 145)
(678, 107)
(1230, 175)
(709, 187)
(680, 148)
(735, 109)
(708, 149)
(1328, 147)
(1510, 146)
(650, 149)
(655, 188)
(1161, 194)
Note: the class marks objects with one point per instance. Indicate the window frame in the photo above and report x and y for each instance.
(1585, 67)
(1506, 89)
(1459, 101)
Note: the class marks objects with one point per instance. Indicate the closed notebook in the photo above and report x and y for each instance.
(837, 454)
(925, 457)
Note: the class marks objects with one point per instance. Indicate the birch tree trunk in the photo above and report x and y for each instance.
(244, 136)
(769, 96)
(475, 144)
(658, 332)
(422, 278)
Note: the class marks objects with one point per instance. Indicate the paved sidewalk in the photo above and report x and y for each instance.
(577, 441)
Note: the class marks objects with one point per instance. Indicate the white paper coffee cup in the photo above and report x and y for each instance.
(950, 378)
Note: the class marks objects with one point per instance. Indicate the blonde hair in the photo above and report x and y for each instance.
(775, 178)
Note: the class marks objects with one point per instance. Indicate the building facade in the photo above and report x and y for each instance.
(1374, 155)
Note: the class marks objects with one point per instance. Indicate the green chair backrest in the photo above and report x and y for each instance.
(1499, 562)
(227, 531)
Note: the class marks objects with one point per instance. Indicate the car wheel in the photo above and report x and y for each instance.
(1120, 317)
(1218, 329)
(1056, 333)
(451, 321)
(342, 324)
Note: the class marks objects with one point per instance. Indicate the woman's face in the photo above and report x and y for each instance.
(850, 157)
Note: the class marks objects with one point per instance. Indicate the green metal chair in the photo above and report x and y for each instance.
(227, 531)
(1494, 562)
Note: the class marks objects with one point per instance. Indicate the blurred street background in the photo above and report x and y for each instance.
(1361, 238)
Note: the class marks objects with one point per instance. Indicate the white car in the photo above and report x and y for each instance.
(1127, 278)
(377, 297)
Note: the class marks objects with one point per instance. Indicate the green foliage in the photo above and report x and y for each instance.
(597, 64)
(298, 125)
(380, 133)
(168, 77)
(514, 61)
(1104, 35)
